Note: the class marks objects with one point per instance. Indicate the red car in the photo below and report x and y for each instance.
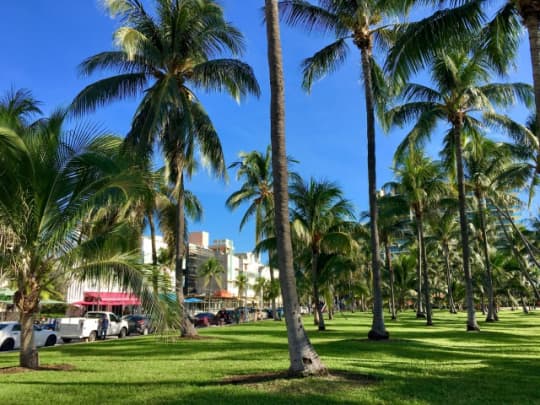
(204, 319)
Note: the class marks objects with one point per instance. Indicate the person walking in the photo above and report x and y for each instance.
(104, 325)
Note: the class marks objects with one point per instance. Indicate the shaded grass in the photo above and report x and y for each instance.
(419, 365)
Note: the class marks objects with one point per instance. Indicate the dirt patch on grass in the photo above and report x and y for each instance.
(51, 367)
(335, 380)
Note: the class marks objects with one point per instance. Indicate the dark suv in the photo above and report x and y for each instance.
(138, 324)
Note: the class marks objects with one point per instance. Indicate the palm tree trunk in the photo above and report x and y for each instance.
(532, 22)
(316, 295)
(378, 330)
(491, 315)
(274, 314)
(152, 227)
(425, 276)
(524, 304)
(186, 327)
(27, 304)
(471, 316)
(450, 294)
(391, 274)
(419, 301)
(304, 360)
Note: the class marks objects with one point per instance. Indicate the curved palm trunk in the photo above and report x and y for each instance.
(531, 18)
(471, 315)
(391, 274)
(26, 299)
(449, 294)
(186, 327)
(378, 330)
(425, 276)
(491, 314)
(318, 309)
(304, 360)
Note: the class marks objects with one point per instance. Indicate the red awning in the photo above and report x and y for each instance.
(108, 298)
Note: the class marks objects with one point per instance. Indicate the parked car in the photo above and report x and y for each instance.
(88, 327)
(10, 336)
(138, 324)
(203, 319)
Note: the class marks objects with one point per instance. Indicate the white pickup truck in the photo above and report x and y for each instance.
(88, 327)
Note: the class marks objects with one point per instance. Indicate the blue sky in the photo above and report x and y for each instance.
(44, 41)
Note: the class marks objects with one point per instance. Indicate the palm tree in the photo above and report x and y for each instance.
(364, 24)
(500, 37)
(444, 231)
(63, 200)
(259, 287)
(461, 91)
(420, 183)
(393, 222)
(320, 216)
(304, 360)
(211, 271)
(255, 169)
(166, 55)
(242, 283)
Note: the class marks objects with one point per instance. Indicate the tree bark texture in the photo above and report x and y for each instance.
(304, 360)
(472, 325)
(425, 275)
(378, 330)
(26, 299)
(316, 296)
(391, 276)
(491, 315)
(187, 329)
(449, 293)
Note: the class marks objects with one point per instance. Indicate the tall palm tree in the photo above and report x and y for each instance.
(304, 360)
(320, 217)
(420, 183)
(393, 223)
(365, 24)
(444, 231)
(64, 199)
(211, 271)
(500, 37)
(166, 55)
(462, 89)
(255, 169)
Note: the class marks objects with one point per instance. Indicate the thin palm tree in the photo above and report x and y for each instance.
(65, 199)
(393, 224)
(259, 287)
(462, 90)
(304, 360)
(420, 182)
(320, 217)
(255, 169)
(167, 55)
(444, 230)
(365, 24)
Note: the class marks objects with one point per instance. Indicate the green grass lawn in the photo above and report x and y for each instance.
(420, 365)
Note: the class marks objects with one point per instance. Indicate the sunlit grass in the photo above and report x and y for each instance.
(441, 364)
